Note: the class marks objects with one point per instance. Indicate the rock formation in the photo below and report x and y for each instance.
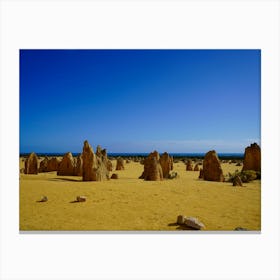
(109, 165)
(115, 176)
(152, 168)
(31, 164)
(237, 181)
(189, 166)
(190, 222)
(66, 166)
(94, 167)
(172, 162)
(81, 198)
(212, 170)
(43, 199)
(166, 164)
(200, 174)
(78, 168)
(196, 168)
(252, 158)
(194, 223)
(53, 164)
(44, 165)
(120, 164)
(181, 219)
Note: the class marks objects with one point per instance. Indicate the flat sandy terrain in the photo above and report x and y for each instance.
(129, 203)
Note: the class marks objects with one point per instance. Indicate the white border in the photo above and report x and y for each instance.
(139, 24)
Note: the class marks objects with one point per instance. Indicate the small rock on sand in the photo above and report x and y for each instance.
(181, 219)
(194, 223)
(240, 229)
(115, 176)
(44, 199)
(81, 198)
(237, 181)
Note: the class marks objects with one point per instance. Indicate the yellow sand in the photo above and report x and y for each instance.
(129, 203)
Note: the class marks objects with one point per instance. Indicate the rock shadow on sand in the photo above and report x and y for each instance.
(181, 227)
(65, 179)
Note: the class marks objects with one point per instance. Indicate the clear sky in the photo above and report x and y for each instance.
(139, 100)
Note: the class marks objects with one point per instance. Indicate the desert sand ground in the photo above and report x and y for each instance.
(129, 203)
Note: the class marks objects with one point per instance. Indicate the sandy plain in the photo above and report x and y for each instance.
(131, 204)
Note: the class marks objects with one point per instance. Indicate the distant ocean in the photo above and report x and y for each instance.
(175, 155)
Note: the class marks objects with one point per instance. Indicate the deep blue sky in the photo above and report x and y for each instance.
(139, 100)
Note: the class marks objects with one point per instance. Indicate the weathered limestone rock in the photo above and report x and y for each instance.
(152, 168)
(66, 166)
(43, 199)
(81, 198)
(109, 165)
(120, 164)
(181, 219)
(189, 166)
(44, 165)
(99, 151)
(115, 176)
(252, 158)
(212, 170)
(78, 168)
(94, 167)
(200, 174)
(31, 164)
(173, 175)
(172, 162)
(237, 181)
(240, 229)
(194, 223)
(166, 164)
(52, 164)
(196, 167)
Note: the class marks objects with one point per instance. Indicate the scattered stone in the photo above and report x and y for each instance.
(239, 164)
(120, 164)
(173, 175)
(44, 199)
(66, 166)
(152, 168)
(166, 163)
(31, 164)
(194, 223)
(212, 170)
(115, 176)
(240, 229)
(252, 158)
(181, 219)
(237, 181)
(81, 198)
